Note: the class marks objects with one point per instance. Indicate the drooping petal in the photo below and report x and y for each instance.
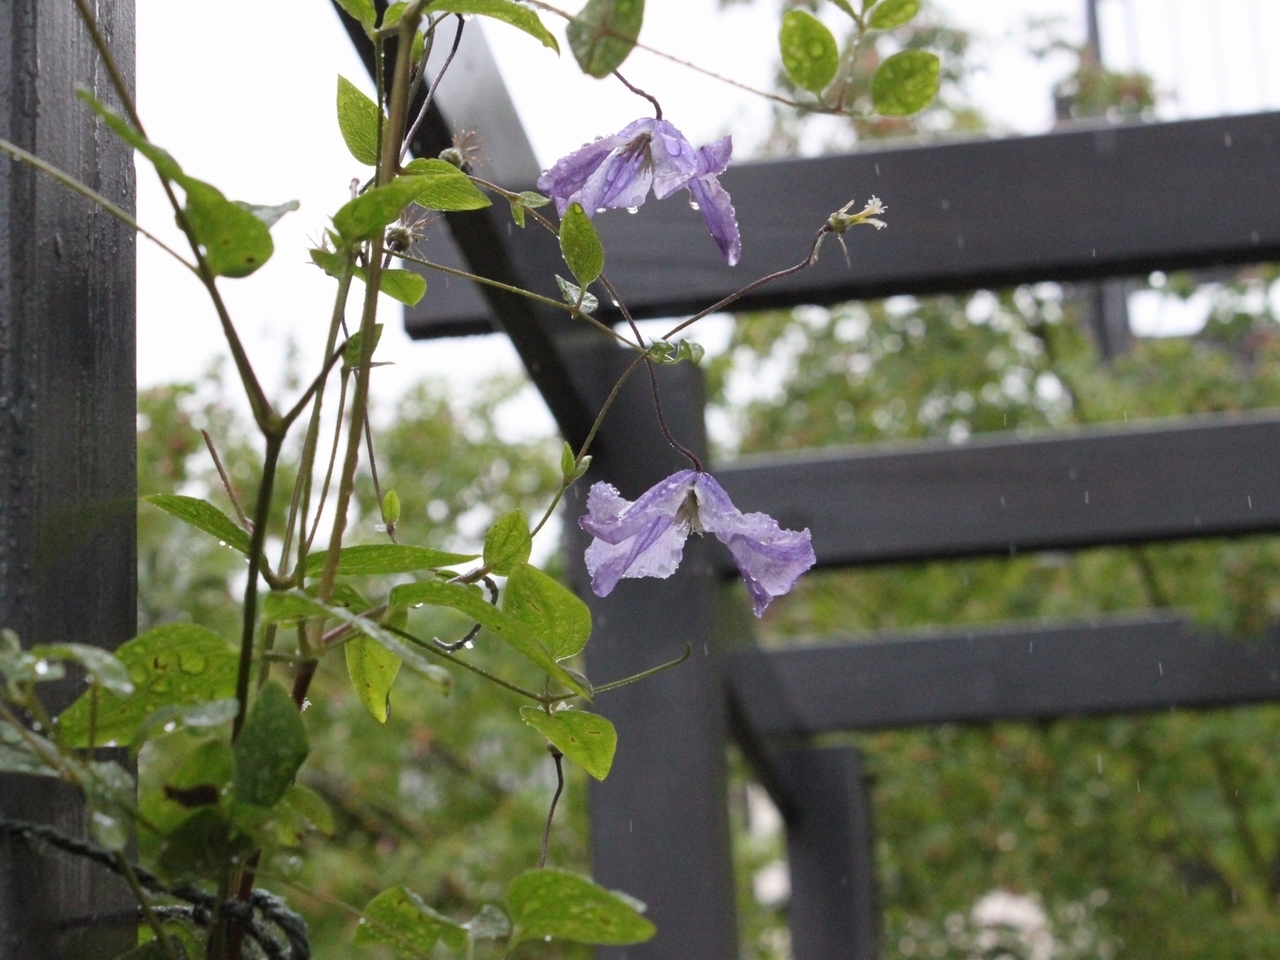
(653, 552)
(641, 539)
(674, 159)
(719, 216)
(623, 180)
(570, 173)
(769, 558)
(713, 158)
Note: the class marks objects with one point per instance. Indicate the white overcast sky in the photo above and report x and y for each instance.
(242, 93)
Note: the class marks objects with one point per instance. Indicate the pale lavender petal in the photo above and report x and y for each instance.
(674, 159)
(719, 216)
(614, 519)
(568, 175)
(623, 180)
(769, 558)
(713, 158)
(654, 552)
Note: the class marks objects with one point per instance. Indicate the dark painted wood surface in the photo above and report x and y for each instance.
(1073, 205)
(67, 433)
(659, 823)
(1007, 673)
(1000, 494)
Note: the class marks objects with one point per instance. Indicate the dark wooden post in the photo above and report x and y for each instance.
(659, 823)
(67, 433)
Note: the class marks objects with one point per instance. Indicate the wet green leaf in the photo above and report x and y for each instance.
(517, 15)
(203, 516)
(111, 794)
(362, 10)
(17, 755)
(398, 917)
(271, 747)
(200, 717)
(565, 906)
(311, 807)
(552, 612)
(372, 669)
(905, 83)
(235, 241)
(278, 607)
(201, 780)
(201, 846)
(358, 121)
(364, 217)
(580, 245)
(572, 293)
(604, 34)
(845, 6)
(810, 53)
(100, 666)
(588, 740)
(888, 14)
(684, 350)
(512, 631)
(489, 924)
(165, 165)
(508, 543)
(445, 187)
(174, 664)
(403, 285)
(377, 559)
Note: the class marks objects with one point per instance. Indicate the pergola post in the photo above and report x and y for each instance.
(67, 434)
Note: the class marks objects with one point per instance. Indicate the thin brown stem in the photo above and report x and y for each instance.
(431, 91)
(657, 107)
(227, 485)
(557, 756)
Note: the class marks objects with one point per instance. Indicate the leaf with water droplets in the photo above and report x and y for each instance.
(588, 740)
(572, 293)
(580, 245)
(604, 34)
(270, 749)
(399, 918)
(809, 51)
(556, 904)
(178, 663)
(905, 83)
(203, 516)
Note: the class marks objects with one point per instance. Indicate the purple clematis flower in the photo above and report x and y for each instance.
(646, 538)
(618, 171)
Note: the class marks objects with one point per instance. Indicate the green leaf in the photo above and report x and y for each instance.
(270, 749)
(846, 7)
(100, 666)
(553, 613)
(489, 924)
(518, 16)
(377, 559)
(905, 83)
(444, 186)
(508, 543)
(391, 16)
(200, 717)
(203, 516)
(580, 245)
(178, 663)
(888, 14)
(296, 605)
(201, 780)
(565, 906)
(309, 806)
(235, 241)
(344, 595)
(269, 216)
(398, 917)
(666, 352)
(390, 508)
(201, 846)
(588, 740)
(604, 33)
(572, 293)
(330, 262)
(358, 121)
(372, 669)
(351, 352)
(365, 216)
(17, 755)
(810, 53)
(511, 630)
(165, 165)
(361, 10)
(112, 794)
(403, 285)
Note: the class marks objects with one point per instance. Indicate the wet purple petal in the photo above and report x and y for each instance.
(719, 216)
(673, 158)
(713, 158)
(646, 538)
(623, 180)
(571, 172)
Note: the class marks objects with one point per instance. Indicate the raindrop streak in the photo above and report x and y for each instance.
(1160, 664)
(1250, 499)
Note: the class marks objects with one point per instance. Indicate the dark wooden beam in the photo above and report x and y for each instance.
(659, 823)
(1005, 673)
(68, 406)
(1005, 493)
(1075, 205)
